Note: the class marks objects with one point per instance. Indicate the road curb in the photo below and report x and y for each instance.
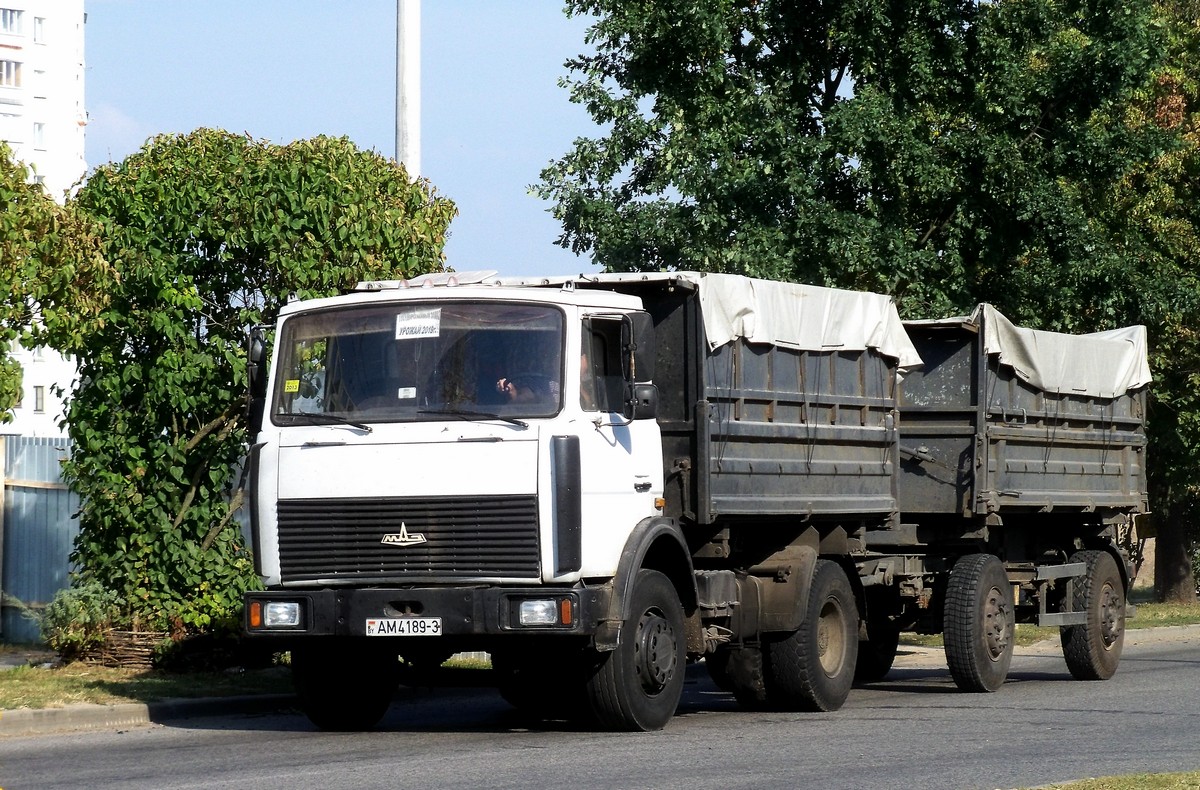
(84, 716)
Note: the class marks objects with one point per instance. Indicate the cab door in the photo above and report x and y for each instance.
(620, 458)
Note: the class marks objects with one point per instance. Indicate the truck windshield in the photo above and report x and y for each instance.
(420, 361)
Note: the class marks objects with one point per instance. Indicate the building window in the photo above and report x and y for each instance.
(12, 130)
(10, 74)
(39, 135)
(10, 20)
(39, 399)
(39, 30)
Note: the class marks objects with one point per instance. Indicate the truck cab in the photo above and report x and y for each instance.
(463, 462)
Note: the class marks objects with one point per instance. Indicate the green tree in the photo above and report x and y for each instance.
(49, 262)
(25, 215)
(927, 149)
(207, 234)
(1154, 211)
(946, 153)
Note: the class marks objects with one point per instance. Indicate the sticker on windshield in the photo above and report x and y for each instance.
(407, 393)
(418, 324)
(291, 385)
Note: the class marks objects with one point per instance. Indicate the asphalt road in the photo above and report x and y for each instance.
(912, 730)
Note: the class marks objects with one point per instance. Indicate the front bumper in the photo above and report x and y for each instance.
(467, 614)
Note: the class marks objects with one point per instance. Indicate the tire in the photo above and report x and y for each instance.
(739, 671)
(1093, 650)
(979, 623)
(637, 686)
(343, 690)
(877, 652)
(812, 669)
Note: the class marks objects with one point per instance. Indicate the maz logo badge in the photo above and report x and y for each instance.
(403, 537)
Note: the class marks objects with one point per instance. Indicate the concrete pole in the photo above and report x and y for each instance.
(408, 85)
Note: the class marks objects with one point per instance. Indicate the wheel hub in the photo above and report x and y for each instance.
(654, 652)
(831, 638)
(997, 623)
(1112, 606)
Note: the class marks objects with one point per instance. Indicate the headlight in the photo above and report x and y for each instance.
(282, 614)
(538, 612)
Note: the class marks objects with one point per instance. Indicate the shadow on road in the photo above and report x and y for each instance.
(474, 708)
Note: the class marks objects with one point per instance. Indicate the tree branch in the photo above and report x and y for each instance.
(190, 497)
(235, 504)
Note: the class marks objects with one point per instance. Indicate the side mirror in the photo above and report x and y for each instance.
(637, 347)
(641, 402)
(256, 375)
(256, 363)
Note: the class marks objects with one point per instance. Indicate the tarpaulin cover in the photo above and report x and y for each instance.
(1103, 364)
(805, 317)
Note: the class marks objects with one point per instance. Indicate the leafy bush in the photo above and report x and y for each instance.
(78, 617)
(206, 234)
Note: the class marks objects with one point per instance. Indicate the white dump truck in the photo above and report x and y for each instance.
(597, 479)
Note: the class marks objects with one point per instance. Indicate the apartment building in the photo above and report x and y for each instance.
(42, 118)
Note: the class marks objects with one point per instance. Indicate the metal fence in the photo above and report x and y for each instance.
(37, 531)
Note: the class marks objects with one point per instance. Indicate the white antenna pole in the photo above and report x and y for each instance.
(408, 86)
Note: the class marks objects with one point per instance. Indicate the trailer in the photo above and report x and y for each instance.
(597, 479)
(1023, 467)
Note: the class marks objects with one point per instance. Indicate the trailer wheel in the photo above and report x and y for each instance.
(638, 685)
(341, 690)
(812, 668)
(979, 622)
(1093, 650)
(877, 652)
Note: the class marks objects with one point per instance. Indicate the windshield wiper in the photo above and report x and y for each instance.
(332, 419)
(475, 415)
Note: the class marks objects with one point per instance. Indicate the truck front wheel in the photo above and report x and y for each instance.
(1092, 650)
(813, 667)
(341, 688)
(979, 623)
(638, 685)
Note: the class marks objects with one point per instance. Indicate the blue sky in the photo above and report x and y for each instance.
(492, 112)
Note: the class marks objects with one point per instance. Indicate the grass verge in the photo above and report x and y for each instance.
(1177, 781)
(39, 687)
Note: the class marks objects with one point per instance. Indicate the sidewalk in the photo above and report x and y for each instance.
(44, 721)
(914, 657)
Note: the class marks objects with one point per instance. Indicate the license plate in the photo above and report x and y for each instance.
(404, 626)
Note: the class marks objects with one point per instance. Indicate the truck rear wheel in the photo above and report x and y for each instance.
(978, 623)
(739, 671)
(812, 668)
(638, 685)
(342, 689)
(1093, 650)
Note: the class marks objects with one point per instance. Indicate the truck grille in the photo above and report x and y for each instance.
(344, 538)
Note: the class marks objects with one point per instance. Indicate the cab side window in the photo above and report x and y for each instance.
(601, 386)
